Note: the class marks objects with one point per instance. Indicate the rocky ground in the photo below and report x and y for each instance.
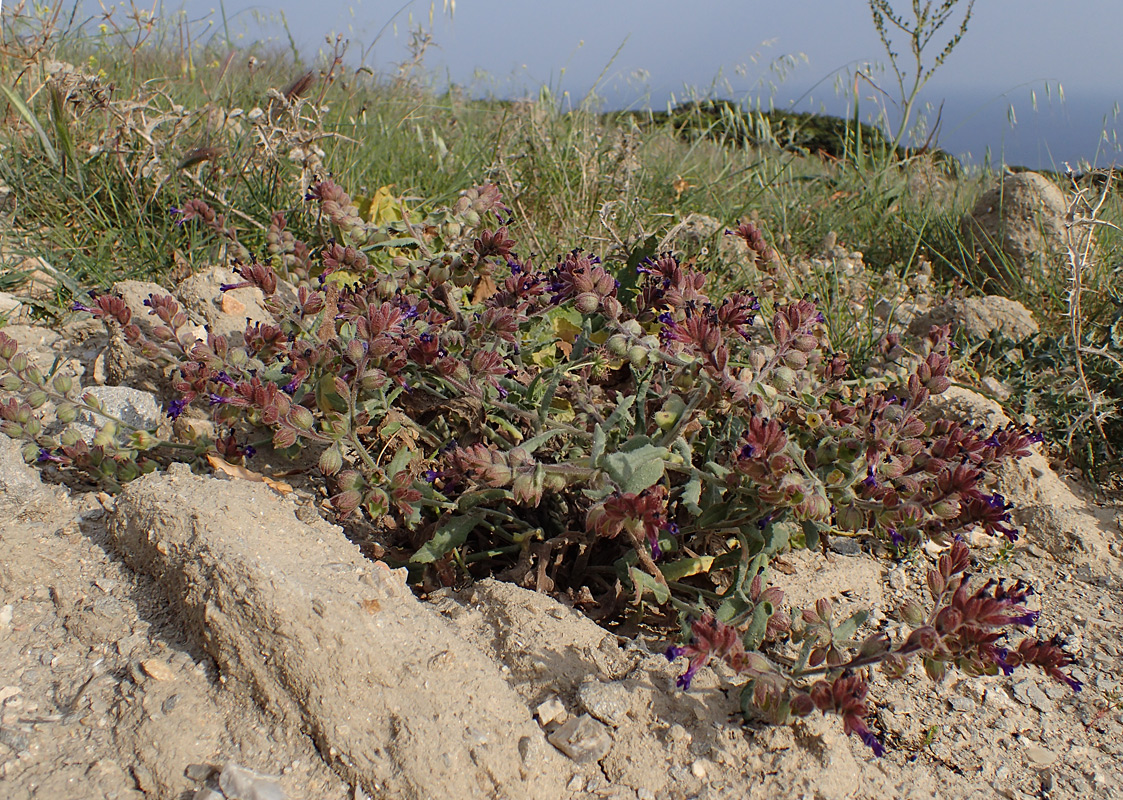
(196, 623)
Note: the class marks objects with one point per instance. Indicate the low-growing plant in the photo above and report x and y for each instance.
(602, 429)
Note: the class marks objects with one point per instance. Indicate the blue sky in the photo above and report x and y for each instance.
(640, 52)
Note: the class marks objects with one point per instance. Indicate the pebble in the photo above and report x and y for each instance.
(199, 772)
(157, 670)
(6, 616)
(845, 546)
(1029, 693)
(962, 704)
(608, 702)
(583, 739)
(898, 579)
(1040, 756)
(550, 710)
(244, 784)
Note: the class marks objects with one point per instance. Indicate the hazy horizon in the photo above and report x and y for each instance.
(643, 53)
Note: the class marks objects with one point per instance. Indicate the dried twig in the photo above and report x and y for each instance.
(1080, 223)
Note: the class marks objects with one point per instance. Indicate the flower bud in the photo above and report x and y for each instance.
(284, 438)
(346, 502)
(938, 384)
(617, 344)
(301, 418)
(783, 378)
(355, 351)
(66, 413)
(587, 302)
(143, 440)
(331, 460)
(795, 359)
(372, 379)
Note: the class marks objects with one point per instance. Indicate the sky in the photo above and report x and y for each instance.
(790, 53)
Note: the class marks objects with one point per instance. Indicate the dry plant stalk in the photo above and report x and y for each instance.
(1081, 222)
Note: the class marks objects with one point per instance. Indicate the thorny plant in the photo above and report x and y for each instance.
(596, 429)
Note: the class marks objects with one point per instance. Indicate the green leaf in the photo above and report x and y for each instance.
(636, 470)
(846, 629)
(405, 241)
(685, 567)
(755, 634)
(32, 120)
(647, 583)
(811, 533)
(470, 500)
(623, 411)
(598, 444)
(714, 514)
(530, 445)
(450, 535)
(692, 494)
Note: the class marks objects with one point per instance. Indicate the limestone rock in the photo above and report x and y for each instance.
(411, 712)
(1017, 224)
(978, 317)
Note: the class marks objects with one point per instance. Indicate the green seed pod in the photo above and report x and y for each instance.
(638, 356)
(331, 460)
(63, 383)
(37, 398)
(300, 417)
(784, 378)
(617, 344)
(66, 413)
(587, 303)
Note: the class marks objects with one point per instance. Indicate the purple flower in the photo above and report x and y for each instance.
(224, 379)
(249, 451)
(76, 306)
(217, 399)
(291, 386)
(873, 744)
(175, 408)
(45, 455)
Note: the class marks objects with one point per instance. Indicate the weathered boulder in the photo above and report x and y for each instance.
(333, 643)
(978, 317)
(1017, 226)
(1053, 516)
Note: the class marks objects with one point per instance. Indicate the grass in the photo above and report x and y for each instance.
(152, 115)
